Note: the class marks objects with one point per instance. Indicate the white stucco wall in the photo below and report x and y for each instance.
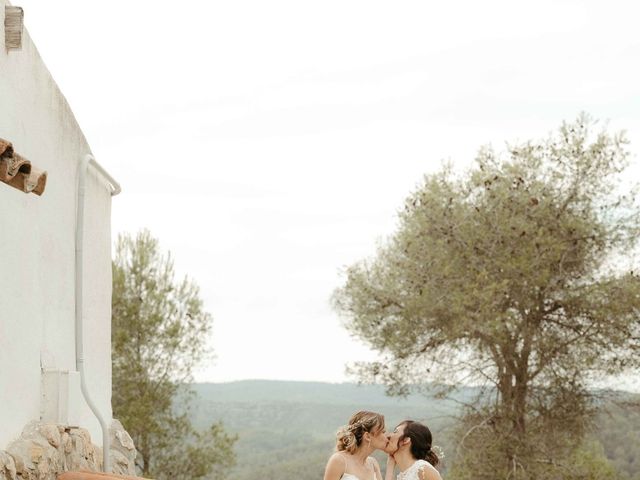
(37, 236)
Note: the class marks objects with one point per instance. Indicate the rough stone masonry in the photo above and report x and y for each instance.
(45, 450)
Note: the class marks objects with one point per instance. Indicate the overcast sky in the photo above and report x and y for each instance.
(268, 144)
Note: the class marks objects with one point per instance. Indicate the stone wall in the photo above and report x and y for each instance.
(45, 450)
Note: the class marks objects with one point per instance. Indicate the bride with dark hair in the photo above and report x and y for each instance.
(354, 444)
(410, 448)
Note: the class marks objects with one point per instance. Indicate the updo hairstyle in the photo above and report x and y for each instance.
(349, 438)
(421, 440)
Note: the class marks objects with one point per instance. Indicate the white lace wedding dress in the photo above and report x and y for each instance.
(411, 473)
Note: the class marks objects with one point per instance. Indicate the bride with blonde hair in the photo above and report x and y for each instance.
(354, 444)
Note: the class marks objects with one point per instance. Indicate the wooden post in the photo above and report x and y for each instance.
(13, 21)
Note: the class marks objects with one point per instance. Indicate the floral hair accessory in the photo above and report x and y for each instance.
(354, 426)
(438, 451)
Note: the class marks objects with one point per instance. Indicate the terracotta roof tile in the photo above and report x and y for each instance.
(17, 171)
(86, 475)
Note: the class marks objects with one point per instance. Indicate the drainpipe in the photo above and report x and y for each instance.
(115, 189)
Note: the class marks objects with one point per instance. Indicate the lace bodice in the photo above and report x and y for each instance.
(411, 473)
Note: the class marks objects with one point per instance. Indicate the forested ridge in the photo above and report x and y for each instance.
(286, 429)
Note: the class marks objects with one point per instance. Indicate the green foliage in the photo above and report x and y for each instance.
(618, 429)
(589, 462)
(481, 450)
(287, 429)
(503, 277)
(196, 454)
(159, 330)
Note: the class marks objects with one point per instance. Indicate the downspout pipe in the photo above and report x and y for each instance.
(79, 284)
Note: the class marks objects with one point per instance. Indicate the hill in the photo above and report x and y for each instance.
(286, 429)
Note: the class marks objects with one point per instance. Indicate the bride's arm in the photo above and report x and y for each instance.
(335, 467)
(391, 467)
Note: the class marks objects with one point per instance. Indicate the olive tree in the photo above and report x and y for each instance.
(517, 277)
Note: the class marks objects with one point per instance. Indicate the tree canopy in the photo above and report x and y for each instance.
(159, 333)
(516, 275)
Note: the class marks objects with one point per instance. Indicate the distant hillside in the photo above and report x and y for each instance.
(303, 392)
(315, 408)
(287, 429)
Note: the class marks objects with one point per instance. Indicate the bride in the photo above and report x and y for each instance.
(410, 448)
(354, 443)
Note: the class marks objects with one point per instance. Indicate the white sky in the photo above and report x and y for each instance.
(268, 144)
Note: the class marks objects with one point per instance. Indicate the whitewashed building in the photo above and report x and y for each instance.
(52, 262)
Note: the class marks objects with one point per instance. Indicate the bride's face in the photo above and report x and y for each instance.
(394, 437)
(379, 439)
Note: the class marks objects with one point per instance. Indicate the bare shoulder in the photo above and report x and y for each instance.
(428, 472)
(337, 459)
(335, 467)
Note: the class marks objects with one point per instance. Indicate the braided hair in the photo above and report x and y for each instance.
(349, 437)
